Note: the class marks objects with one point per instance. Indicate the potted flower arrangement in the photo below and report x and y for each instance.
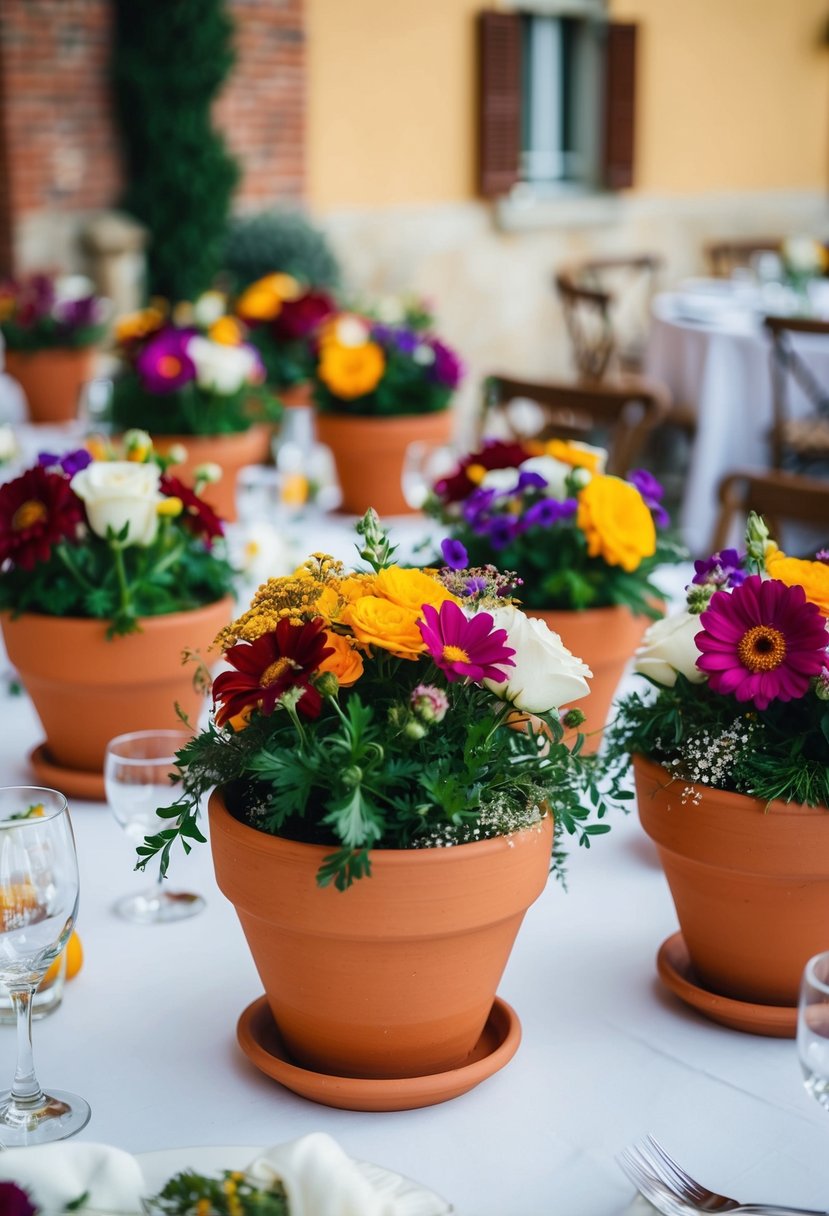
(50, 327)
(731, 758)
(385, 745)
(111, 569)
(192, 380)
(583, 543)
(379, 387)
(283, 316)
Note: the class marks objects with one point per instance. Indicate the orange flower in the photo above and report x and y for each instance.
(345, 663)
(578, 455)
(379, 622)
(813, 577)
(351, 371)
(226, 331)
(616, 523)
(137, 325)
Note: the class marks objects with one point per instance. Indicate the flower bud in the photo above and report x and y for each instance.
(572, 719)
(177, 453)
(137, 446)
(171, 507)
(414, 729)
(208, 473)
(327, 684)
(699, 597)
(429, 703)
(822, 685)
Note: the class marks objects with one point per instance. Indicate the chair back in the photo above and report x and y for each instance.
(619, 414)
(606, 304)
(722, 258)
(798, 441)
(778, 497)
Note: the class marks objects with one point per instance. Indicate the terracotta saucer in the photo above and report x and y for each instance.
(259, 1039)
(677, 973)
(74, 782)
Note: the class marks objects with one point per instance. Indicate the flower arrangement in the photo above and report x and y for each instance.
(188, 372)
(741, 679)
(375, 708)
(283, 316)
(804, 258)
(111, 535)
(370, 368)
(43, 312)
(577, 537)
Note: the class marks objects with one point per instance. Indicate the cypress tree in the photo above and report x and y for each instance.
(169, 60)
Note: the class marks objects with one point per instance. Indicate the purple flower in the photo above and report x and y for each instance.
(822, 555)
(530, 481)
(77, 314)
(454, 554)
(447, 368)
(502, 531)
(390, 335)
(723, 569)
(474, 586)
(164, 365)
(546, 513)
(70, 464)
(652, 492)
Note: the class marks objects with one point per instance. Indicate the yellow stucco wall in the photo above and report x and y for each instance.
(733, 95)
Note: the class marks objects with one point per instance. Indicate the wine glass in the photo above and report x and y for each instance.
(423, 465)
(38, 906)
(813, 1028)
(139, 772)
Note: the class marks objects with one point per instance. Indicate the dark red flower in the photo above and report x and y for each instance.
(37, 510)
(14, 1201)
(299, 318)
(493, 455)
(280, 660)
(198, 516)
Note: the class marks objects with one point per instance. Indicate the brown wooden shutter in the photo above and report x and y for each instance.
(499, 67)
(619, 105)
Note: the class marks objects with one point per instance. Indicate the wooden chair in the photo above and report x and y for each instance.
(724, 257)
(798, 443)
(774, 495)
(594, 295)
(619, 414)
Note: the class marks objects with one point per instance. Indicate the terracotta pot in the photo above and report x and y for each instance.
(231, 452)
(52, 379)
(87, 689)
(369, 455)
(396, 976)
(750, 883)
(606, 639)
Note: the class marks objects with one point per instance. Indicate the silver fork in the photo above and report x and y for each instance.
(676, 1193)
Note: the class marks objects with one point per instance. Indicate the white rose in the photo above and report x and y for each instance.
(351, 331)
(668, 648)
(209, 307)
(119, 492)
(222, 369)
(546, 675)
(553, 471)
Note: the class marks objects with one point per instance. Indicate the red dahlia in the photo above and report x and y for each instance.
(198, 516)
(37, 510)
(265, 669)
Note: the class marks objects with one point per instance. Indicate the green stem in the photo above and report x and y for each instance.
(63, 554)
(121, 574)
(294, 716)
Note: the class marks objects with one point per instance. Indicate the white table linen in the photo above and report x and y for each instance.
(714, 358)
(146, 1034)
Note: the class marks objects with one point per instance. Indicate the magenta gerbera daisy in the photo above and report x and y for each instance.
(762, 642)
(285, 658)
(465, 647)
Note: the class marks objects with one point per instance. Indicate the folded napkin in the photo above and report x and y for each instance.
(320, 1179)
(55, 1174)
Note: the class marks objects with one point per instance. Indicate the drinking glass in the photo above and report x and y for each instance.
(38, 906)
(139, 772)
(813, 1028)
(423, 465)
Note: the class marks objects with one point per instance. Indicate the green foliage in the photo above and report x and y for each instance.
(278, 240)
(781, 752)
(229, 1195)
(49, 334)
(168, 63)
(191, 410)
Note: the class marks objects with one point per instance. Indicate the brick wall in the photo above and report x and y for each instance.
(58, 148)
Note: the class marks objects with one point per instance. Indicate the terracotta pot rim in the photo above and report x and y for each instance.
(390, 857)
(348, 419)
(22, 353)
(83, 622)
(655, 771)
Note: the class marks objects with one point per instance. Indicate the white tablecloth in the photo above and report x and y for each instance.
(147, 1034)
(720, 367)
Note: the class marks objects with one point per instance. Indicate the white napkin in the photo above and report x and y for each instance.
(55, 1174)
(319, 1179)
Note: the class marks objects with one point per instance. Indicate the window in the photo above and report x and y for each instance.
(556, 103)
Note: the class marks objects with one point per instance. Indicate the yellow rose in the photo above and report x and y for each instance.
(411, 589)
(355, 585)
(137, 325)
(616, 523)
(226, 331)
(259, 302)
(813, 577)
(379, 622)
(351, 371)
(345, 663)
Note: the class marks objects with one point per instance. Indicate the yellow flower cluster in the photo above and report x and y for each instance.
(616, 522)
(350, 364)
(263, 300)
(813, 577)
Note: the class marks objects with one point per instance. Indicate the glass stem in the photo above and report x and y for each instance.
(26, 1091)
